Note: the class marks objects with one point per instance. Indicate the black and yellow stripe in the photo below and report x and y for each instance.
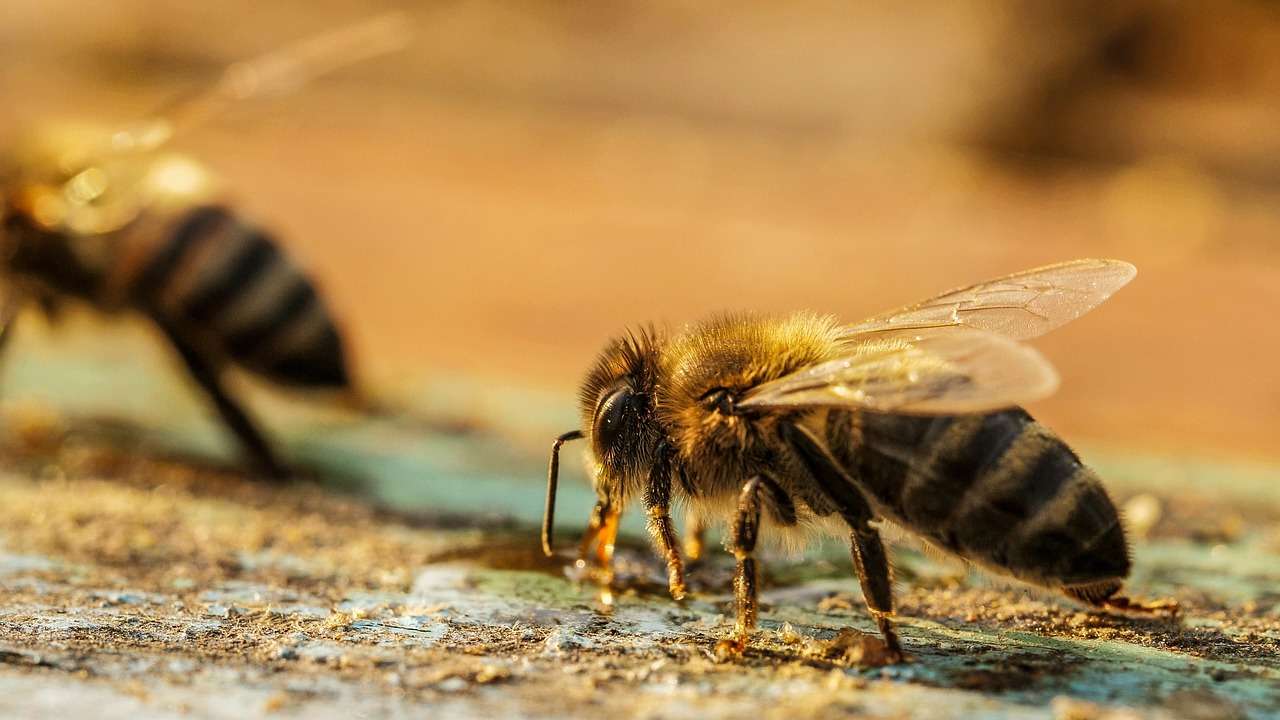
(1000, 489)
(227, 283)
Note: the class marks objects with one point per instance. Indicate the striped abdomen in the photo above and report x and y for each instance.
(999, 489)
(229, 288)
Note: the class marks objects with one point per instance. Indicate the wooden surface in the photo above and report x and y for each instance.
(518, 185)
(140, 581)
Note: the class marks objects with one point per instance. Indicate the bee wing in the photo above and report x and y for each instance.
(117, 173)
(276, 72)
(933, 373)
(1020, 306)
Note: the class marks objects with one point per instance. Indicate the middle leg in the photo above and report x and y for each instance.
(745, 532)
(695, 531)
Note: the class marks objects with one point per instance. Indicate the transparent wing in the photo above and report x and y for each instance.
(91, 181)
(1019, 306)
(929, 374)
(279, 71)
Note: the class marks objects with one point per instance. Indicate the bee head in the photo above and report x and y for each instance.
(49, 172)
(16, 239)
(84, 180)
(35, 236)
(618, 414)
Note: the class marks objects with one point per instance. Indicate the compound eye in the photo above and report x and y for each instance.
(611, 418)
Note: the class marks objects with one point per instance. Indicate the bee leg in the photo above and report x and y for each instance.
(872, 563)
(696, 536)
(664, 534)
(602, 532)
(694, 526)
(8, 316)
(869, 557)
(746, 529)
(657, 500)
(51, 305)
(206, 374)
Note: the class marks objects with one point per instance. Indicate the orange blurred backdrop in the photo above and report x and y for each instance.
(527, 178)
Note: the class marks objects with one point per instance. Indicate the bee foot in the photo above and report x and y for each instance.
(693, 549)
(852, 648)
(678, 591)
(730, 649)
(893, 657)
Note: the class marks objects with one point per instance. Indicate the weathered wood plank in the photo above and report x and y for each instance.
(142, 587)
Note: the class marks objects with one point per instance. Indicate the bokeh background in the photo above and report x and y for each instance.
(527, 178)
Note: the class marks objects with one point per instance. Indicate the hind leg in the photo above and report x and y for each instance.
(206, 374)
(872, 564)
(869, 557)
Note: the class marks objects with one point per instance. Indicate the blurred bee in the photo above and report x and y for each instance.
(791, 424)
(107, 217)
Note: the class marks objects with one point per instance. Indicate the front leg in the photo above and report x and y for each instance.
(746, 529)
(602, 532)
(657, 501)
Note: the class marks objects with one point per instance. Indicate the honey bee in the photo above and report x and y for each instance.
(792, 424)
(107, 217)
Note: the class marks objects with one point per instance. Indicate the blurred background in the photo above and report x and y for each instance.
(489, 205)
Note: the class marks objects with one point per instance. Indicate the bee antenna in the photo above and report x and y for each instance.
(553, 476)
(276, 72)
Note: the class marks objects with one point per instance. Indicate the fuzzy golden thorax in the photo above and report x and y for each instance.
(617, 401)
(711, 365)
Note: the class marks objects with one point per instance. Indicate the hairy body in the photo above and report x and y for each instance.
(107, 216)
(781, 425)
